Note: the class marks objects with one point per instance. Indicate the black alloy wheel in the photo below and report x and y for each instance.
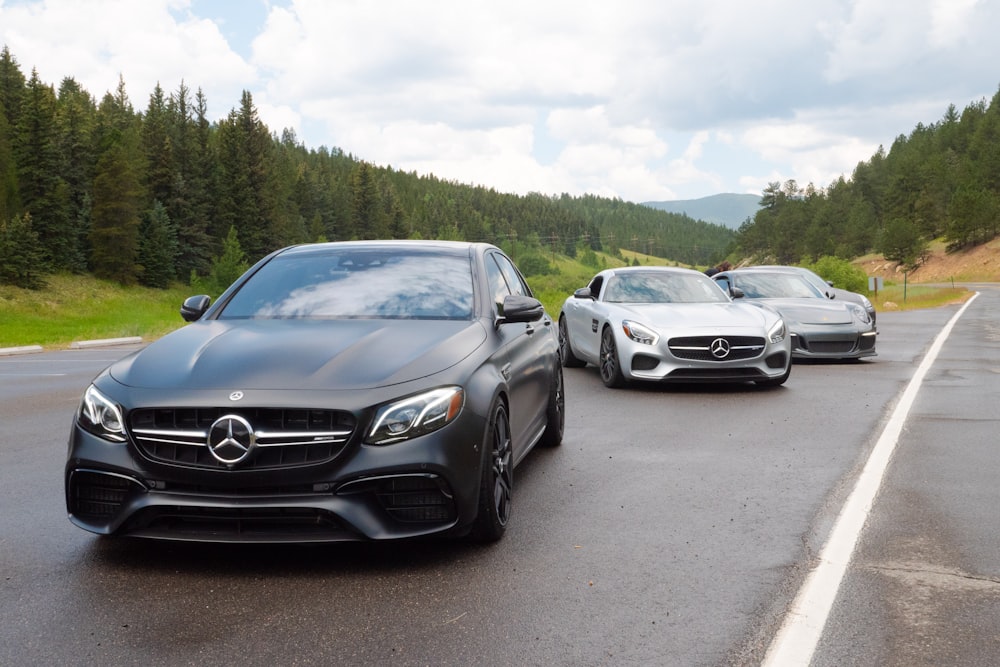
(555, 415)
(611, 370)
(569, 360)
(497, 481)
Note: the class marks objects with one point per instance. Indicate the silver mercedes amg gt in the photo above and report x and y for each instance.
(668, 324)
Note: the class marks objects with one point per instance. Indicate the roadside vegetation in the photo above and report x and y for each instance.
(78, 307)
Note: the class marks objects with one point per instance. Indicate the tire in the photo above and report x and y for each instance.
(555, 415)
(569, 360)
(611, 369)
(496, 481)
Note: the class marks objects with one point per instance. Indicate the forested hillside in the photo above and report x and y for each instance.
(150, 197)
(940, 181)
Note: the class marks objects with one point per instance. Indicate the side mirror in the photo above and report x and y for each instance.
(736, 293)
(195, 306)
(517, 308)
(583, 293)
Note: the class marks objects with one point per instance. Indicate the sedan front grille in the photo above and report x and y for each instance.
(699, 348)
(284, 437)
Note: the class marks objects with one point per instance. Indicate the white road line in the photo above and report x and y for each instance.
(796, 640)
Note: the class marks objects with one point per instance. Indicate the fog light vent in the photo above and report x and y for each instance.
(97, 496)
(416, 499)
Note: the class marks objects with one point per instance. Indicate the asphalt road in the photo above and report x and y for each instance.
(673, 527)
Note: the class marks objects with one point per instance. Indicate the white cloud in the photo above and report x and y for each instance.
(641, 99)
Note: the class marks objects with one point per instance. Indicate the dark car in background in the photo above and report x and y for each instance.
(826, 287)
(340, 391)
(820, 327)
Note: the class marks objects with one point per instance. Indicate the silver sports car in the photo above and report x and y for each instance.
(670, 325)
(819, 327)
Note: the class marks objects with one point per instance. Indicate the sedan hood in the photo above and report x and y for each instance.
(698, 315)
(811, 311)
(300, 354)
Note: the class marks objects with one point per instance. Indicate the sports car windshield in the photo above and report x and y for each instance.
(662, 287)
(352, 283)
(775, 286)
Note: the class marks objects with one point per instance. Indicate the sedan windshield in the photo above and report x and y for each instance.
(662, 287)
(351, 283)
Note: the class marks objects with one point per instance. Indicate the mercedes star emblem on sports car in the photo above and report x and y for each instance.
(719, 348)
(236, 396)
(231, 439)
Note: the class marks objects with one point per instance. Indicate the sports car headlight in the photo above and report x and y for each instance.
(101, 416)
(860, 313)
(639, 333)
(416, 415)
(777, 333)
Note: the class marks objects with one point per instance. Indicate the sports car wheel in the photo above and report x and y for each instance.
(497, 480)
(611, 370)
(555, 415)
(569, 360)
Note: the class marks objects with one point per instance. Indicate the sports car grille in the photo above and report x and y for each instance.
(284, 438)
(699, 348)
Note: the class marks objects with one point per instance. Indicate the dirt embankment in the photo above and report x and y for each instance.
(979, 264)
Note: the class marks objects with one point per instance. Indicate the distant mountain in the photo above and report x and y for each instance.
(729, 210)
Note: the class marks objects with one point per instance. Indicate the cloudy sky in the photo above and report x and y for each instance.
(646, 100)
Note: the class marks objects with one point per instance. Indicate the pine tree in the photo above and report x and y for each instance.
(75, 113)
(44, 193)
(157, 248)
(115, 217)
(21, 254)
(246, 198)
(12, 84)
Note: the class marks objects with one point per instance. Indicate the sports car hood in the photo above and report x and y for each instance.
(300, 354)
(811, 311)
(699, 315)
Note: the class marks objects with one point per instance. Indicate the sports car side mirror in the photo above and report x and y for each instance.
(583, 293)
(195, 306)
(736, 293)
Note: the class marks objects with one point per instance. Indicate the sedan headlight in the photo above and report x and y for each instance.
(639, 333)
(777, 332)
(101, 416)
(415, 416)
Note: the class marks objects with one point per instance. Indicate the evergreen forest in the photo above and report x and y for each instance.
(942, 181)
(163, 195)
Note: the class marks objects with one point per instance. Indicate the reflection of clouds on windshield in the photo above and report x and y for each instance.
(654, 287)
(420, 286)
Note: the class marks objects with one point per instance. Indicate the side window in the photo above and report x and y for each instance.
(514, 281)
(723, 283)
(595, 286)
(498, 284)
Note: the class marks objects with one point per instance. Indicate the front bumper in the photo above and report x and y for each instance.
(426, 486)
(822, 343)
(689, 359)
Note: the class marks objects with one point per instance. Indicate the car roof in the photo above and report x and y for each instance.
(459, 247)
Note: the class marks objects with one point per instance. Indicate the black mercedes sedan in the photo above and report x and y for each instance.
(348, 391)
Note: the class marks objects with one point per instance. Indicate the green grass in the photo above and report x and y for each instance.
(74, 308)
(911, 297)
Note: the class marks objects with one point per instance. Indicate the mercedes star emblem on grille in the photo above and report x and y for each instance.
(719, 348)
(231, 439)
